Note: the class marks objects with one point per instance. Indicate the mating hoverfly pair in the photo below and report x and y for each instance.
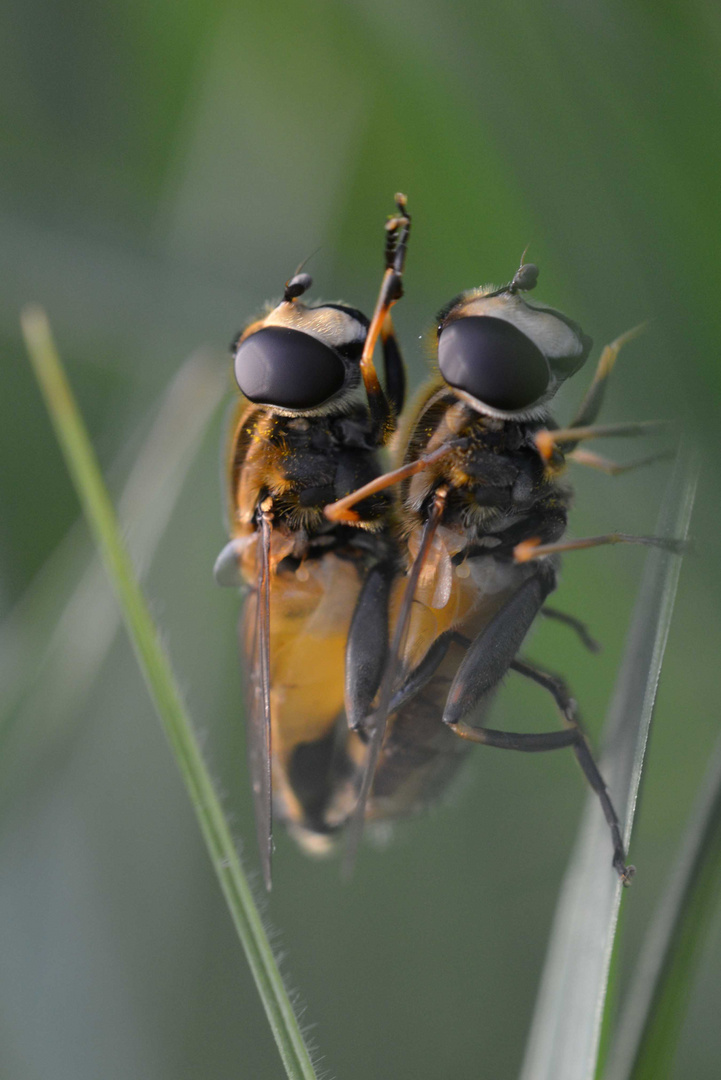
(384, 608)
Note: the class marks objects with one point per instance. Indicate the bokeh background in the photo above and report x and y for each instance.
(164, 168)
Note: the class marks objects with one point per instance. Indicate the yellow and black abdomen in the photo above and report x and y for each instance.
(316, 572)
(312, 764)
(421, 755)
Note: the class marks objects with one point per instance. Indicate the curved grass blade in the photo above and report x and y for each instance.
(565, 1033)
(159, 677)
(654, 1007)
(72, 638)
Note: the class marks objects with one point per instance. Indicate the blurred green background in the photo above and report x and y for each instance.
(165, 166)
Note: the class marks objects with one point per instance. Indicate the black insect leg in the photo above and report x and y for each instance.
(487, 660)
(421, 675)
(380, 716)
(575, 624)
(556, 740)
(367, 652)
(367, 646)
(566, 704)
(395, 375)
(490, 655)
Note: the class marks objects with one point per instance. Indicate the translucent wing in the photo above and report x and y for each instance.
(258, 722)
(388, 685)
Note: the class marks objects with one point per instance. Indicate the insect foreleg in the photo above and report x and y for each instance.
(548, 441)
(395, 375)
(591, 404)
(575, 624)
(396, 244)
(381, 409)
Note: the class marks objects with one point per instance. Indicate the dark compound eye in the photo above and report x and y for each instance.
(493, 361)
(287, 368)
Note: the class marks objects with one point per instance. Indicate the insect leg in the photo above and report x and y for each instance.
(575, 624)
(591, 404)
(427, 668)
(528, 550)
(367, 646)
(387, 686)
(391, 290)
(611, 468)
(395, 375)
(367, 652)
(341, 510)
(566, 704)
(554, 740)
(491, 653)
(548, 441)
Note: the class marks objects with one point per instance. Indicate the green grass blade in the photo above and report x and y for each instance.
(155, 666)
(654, 1007)
(565, 1032)
(51, 650)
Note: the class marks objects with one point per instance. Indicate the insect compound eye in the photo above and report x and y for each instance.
(287, 368)
(493, 361)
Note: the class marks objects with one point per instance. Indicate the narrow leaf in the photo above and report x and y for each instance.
(565, 1032)
(154, 663)
(72, 638)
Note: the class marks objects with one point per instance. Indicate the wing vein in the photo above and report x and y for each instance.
(387, 687)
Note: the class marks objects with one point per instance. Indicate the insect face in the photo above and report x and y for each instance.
(507, 357)
(301, 359)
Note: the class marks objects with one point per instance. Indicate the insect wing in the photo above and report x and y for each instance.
(257, 623)
(388, 688)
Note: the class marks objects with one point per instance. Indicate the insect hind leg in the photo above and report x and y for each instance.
(577, 625)
(573, 736)
(566, 704)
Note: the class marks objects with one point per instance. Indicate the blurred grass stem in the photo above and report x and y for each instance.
(50, 653)
(155, 665)
(655, 1005)
(565, 1033)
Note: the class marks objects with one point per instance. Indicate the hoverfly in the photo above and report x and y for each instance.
(483, 512)
(305, 434)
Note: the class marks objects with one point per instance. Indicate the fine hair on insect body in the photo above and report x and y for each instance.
(482, 506)
(311, 421)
